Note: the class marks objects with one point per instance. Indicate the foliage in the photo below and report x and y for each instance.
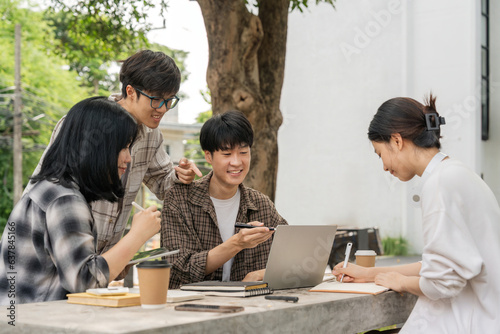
(204, 116)
(192, 149)
(48, 92)
(294, 4)
(59, 67)
(92, 48)
(301, 4)
(395, 246)
(382, 329)
(104, 28)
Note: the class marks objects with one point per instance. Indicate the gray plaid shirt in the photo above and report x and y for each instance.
(150, 164)
(49, 247)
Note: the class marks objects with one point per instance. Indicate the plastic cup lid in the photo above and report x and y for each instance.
(154, 264)
(365, 253)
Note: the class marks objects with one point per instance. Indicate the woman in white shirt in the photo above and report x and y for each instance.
(458, 279)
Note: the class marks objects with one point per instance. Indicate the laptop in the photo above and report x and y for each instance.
(299, 255)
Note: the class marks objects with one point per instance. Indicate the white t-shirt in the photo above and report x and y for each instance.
(460, 274)
(227, 211)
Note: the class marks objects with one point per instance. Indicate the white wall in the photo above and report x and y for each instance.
(341, 65)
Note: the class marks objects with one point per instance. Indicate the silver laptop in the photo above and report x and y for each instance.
(299, 255)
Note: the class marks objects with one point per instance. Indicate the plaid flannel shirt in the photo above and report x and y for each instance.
(150, 164)
(189, 223)
(49, 246)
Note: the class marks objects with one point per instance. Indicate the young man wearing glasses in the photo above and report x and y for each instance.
(150, 83)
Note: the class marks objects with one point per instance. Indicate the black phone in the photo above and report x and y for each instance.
(209, 308)
(240, 225)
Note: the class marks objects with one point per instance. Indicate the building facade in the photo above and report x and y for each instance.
(342, 64)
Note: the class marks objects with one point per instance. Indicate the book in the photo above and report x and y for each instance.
(151, 254)
(244, 293)
(111, 291)
(229, 289)
(223, 286)
(335, 286)
(129, 299)
(175, 296)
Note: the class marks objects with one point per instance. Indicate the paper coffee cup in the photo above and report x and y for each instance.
(154, 277)
(365, 258)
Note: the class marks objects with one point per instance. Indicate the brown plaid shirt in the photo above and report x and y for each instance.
(189, 223)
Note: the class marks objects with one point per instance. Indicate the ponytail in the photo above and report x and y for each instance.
(411, 119)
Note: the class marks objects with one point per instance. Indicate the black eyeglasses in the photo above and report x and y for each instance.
(158, 102)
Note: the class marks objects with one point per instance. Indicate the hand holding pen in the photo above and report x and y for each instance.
(146, 222)
(137, 206)
(251, 235)
(347, 255)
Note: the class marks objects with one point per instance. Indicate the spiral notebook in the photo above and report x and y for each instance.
(229, 289)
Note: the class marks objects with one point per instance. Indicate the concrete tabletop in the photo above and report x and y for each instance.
(315, 312)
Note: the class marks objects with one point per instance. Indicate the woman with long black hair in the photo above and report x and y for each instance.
(49, 245)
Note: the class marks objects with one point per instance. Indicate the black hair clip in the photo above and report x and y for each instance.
(433, 121)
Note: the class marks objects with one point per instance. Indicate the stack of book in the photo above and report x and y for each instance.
(229, 289)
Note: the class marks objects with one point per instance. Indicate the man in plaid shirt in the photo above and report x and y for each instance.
(150, 81)
(199, 218)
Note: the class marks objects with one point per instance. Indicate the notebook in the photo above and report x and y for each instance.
(333, 286)
(129, 299)
(299, 255)
(228, 289)
(175, 296)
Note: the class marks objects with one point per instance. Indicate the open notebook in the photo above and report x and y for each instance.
(335, 286)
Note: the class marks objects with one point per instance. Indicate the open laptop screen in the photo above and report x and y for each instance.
(299, 255)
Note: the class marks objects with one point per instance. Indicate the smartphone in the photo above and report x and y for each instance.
(151, 254)
(209, 308)
(240, 225)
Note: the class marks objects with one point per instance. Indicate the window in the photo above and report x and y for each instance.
(485, 69)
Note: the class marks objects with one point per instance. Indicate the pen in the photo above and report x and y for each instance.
(285, 298)
(240, 225)
(137, 206)
(347, 254)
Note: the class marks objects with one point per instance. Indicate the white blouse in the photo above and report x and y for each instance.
(460, 274)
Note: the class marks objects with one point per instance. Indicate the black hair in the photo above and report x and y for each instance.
(226, 131)
(150, 71)
(407, 117)
(87, 147)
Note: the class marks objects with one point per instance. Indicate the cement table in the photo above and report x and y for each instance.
(315, 312)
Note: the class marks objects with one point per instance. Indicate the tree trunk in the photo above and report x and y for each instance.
(245, 72)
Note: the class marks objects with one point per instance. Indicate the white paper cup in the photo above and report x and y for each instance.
(365, 258)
